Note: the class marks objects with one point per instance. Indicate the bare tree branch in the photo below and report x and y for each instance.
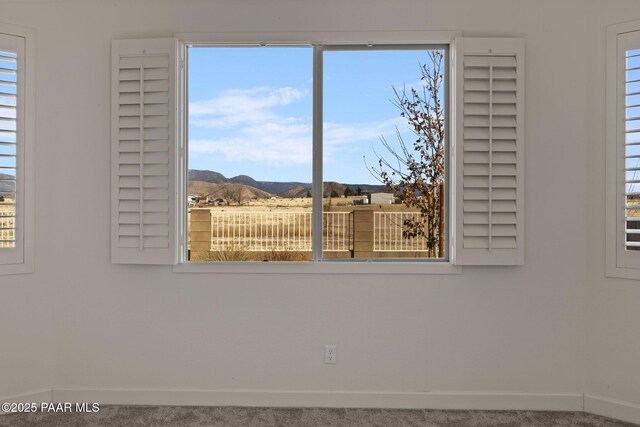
(415, 172)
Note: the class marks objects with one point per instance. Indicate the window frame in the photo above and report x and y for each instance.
(330, 42)
(619, 262)
(20, 259)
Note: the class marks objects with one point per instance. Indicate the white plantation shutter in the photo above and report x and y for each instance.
(623, 151)
(143, 208)
(12, 75)
(489, 149)
(630, 128)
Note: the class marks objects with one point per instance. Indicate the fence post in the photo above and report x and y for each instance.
(363, 232)
(200, 234)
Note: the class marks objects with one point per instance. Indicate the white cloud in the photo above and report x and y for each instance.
(240, 106)
(271, 142)
(340, 134)
(249, 127)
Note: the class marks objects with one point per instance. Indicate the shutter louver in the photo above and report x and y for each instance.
(143, 151)
(489, 149)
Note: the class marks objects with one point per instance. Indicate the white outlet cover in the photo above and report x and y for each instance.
(330, 355)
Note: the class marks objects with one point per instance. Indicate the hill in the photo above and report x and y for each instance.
(283, 189)
(228, 191)
(280, 187)
(206, 176)
(330, 186)
(297, 191)
(245, 180)
(8, 186)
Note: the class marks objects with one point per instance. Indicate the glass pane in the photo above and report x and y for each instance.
(633, 62)
(7, 150)
(632, 150)
(250, 149)
(7, 162)
(632, 138)
(633, 100)
(632, 125)
(8, 75)
(633, 87)
(632, 112)
(634, 52)
(377, 205)
(633, 75)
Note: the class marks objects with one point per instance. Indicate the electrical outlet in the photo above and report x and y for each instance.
(330, 353)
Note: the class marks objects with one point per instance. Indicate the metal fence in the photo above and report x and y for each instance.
(260, 231)
(278, 231)
(387, 233)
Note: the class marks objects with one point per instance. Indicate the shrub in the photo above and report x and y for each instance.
(274, 255)
(229, 255)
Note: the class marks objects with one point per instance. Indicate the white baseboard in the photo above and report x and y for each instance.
(263, 398)
(618, 409)
(36, 396)
(599, 405)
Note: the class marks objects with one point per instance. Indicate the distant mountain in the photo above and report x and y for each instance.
(7, 183)
(302, 190)
(369, 188)
(246, 180)
(282, 189)
(330, 187)
(206, 176)
(297, 191)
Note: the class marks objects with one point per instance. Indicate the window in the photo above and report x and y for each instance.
(302, 152)
(16, 150)
(251, 194)
(623, 150)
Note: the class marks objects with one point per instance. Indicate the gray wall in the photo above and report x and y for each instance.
(81, 322)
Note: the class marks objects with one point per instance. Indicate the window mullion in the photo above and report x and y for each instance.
(317, 187)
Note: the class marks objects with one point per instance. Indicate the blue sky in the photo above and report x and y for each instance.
(250, 110)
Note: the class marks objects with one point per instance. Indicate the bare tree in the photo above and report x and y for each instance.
(415, 172)
(227, 194)
(233, 192)
(239, 194)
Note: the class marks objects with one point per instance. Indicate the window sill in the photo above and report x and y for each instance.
(622, 273)
(323, 267)
(24, 268)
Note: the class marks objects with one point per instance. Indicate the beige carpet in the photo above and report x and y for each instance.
(187, 416)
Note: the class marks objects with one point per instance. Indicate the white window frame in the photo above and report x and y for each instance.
(22, 259)
(321, 266)
(619, 262)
